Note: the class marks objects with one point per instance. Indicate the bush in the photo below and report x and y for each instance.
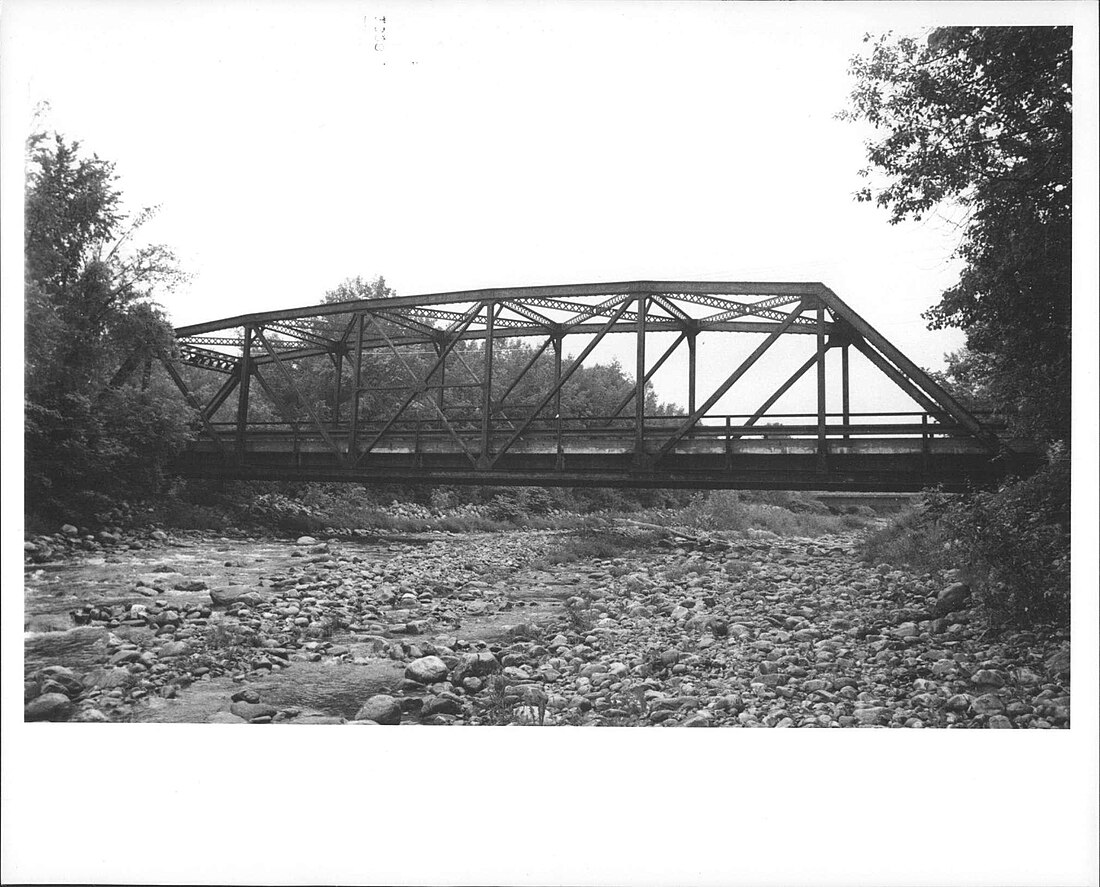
(1013, 544)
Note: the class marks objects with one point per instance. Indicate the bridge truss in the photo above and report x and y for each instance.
(453, 415)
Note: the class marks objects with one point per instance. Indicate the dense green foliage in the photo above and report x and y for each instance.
(1011, 544)
(980, 120)
(88, 302)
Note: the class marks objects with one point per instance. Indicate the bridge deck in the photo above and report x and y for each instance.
(881, 463)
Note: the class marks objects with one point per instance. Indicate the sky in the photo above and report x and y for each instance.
(292, 145)
(450, 147)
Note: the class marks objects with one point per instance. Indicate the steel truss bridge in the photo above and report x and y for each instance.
(452, 415)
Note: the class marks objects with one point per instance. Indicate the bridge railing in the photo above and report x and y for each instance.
(725, 427)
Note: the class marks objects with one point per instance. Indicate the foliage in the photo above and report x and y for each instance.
(785, 514)
(1015, 544)
(980, 118)
(1011, 544)
(88, 306)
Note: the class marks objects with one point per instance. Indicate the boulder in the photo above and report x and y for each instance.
(382, 709)
(443, 704)
(475, 665)
(48, 707)
(252, 710)
(427, 670)
(951, 598)
(234, 594)
(988, 704)
(1057, 665)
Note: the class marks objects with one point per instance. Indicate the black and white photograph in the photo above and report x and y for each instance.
(575, 365)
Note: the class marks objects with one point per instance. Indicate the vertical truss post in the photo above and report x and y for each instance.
(845, 403)
(442, 376)
(924, 443)
(487, 387)
(559, 462)
(639, 380)
(339, 360)
(353, 432)
(242, 397)
(821, 346)
(692, 335)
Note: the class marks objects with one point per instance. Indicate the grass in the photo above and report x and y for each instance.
(785, 514)
(910, 539)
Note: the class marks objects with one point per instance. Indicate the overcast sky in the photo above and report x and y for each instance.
(453, 147)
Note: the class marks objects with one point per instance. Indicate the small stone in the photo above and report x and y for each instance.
(190, 585)
(246, 695)
(306, 540)
(999, 722)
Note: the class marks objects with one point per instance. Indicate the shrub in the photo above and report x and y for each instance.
(1013, 544)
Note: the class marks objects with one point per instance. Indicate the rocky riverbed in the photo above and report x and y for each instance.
(678, 629)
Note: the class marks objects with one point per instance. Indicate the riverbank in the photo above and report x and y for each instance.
(625, 625)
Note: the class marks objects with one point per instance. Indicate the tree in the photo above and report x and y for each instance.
(88, 301)
(980, 119)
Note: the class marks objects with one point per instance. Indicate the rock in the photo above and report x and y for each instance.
(960, 702)
(999, 722)
(443, 704)
(224, 717)
(190, 585)
(381, 708)
(870, 714)
(233, 594)
(700, 719)
(306, 540)
(987, 677)
(68, 530)
(159, 536)
(988, 704)
(427, 670)
(1057, 665)
(91, 716)
(174, 648)
(250, 710)
(951, 598)
(48, 707)
(246, 695)
(477, 665)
